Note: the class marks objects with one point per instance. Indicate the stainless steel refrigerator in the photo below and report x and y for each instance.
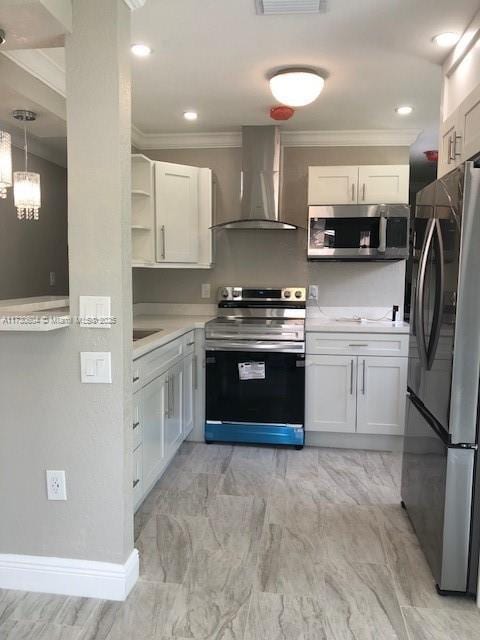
(440, 471)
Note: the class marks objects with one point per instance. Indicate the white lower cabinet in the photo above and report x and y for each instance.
(354, 393)
(331, 393)
(382, 389)
(163, 409)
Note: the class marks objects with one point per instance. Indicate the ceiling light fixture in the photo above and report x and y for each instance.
(405, 110)
(5, 163)
(140, 50)
(26, 184)
(296, 87)
(3, 37)
(447, 39)
(190, 115)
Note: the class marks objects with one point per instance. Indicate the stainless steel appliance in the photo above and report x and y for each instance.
(441, 476)
(255, 366)
(358, 232)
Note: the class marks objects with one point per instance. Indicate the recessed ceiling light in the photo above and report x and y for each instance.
(447, 39)
(295, 87)
(140, 50)
(404, 110)
(190, 115)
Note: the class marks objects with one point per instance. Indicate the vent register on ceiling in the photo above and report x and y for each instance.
(271, 7)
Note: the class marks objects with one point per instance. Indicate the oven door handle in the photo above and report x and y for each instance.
(265, 346)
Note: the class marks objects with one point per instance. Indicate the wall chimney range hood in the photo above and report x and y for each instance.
(260, 181)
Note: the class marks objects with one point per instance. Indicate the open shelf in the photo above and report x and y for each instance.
(140, 227)
(140, 192)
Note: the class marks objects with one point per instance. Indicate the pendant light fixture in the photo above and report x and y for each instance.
(26, 184)
(5, 163)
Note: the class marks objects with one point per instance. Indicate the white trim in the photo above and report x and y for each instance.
(216, 140)
(39, 64)
(85, 578)
(134, 4)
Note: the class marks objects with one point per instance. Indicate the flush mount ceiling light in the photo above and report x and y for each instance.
(404, 110)
(140, 50)
(26, 184)
(296, 87)
(5, 163)
(447, 39)
(190, 115)
(3, 37)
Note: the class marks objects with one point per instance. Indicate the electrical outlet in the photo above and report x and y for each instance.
(206, 290)
(53, 278)
(56, 485)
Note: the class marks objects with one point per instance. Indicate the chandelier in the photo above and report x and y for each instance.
(26, 184)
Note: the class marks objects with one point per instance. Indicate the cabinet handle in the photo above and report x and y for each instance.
(135, 482)
(135, 425)
(358, 344)
(163, 241)
(195, 372)
(167, 403)
(190, 344)
(363, 191)
(364, 380)
(449, 153)
(351, 377)
(456, 154)
(136, 379)
(353, 192)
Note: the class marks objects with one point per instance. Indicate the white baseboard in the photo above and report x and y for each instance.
(70, 577)
(353, 441)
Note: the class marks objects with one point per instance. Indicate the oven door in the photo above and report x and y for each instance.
(358, 233)
(263, 383)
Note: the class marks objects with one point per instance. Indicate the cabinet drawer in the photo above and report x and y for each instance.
(137, 481)
(378, 344)
(153, 364)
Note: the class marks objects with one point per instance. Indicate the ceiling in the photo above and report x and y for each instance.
(214, 57)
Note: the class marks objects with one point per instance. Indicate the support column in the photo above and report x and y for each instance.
(50, 420)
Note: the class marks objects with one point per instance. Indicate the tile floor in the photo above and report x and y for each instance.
(244, 543)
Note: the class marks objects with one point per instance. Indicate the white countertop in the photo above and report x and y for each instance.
(36, 303)
(170, 327)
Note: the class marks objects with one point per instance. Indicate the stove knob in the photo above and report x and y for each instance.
(298, 294)
(224, 292)
(236, 293)
(287, 294)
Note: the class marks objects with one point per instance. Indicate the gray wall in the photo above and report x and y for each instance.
(275, 257)
(50, 420)
(30, 250)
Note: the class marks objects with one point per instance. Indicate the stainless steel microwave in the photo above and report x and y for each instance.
(358, 232)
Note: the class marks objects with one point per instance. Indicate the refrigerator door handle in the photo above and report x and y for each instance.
(419, 315)
(439, 289)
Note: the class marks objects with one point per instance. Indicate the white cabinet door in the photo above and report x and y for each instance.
(190, 377)
(152, 416)
(331, 383)
(469, 126)
(177, 216)
(173, 434)
(383, 184)
(381, 395)
(332, 185)
(450, 137)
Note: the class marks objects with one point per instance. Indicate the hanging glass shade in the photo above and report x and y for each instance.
(5, 163)
(26, 194)
(26, 184)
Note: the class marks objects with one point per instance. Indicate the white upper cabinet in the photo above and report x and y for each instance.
(460, 122)
(384, 183)
(177, 212)
(332, 185)
(366, 184)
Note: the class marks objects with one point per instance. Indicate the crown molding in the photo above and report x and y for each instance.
(135, 4)
(218, 140)
(36, 146)
(40, 66)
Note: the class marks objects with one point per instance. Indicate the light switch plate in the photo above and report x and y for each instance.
(96, 367)
(206, 290)
(313, 292)
(95, 312)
